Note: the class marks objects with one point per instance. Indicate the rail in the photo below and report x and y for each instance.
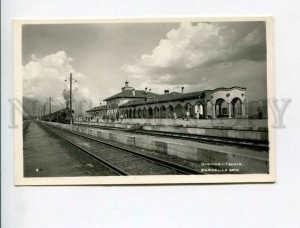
(158, 161)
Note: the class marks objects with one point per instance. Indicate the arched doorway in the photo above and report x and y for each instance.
(189, 107)
(199, 110)
(145, 113)
(130, 114)
(179, 110)
(133, 113)
(140, 114)
(150, 113)
(163, 112)
(221, 108)
(170, 111)
(136, 113)
(236, 104)
(156, 112)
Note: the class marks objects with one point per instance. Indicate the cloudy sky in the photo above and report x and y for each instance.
(159, 56)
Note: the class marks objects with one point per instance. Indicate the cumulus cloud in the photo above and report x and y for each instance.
(205, 55)
(45, 77)
(186, 47)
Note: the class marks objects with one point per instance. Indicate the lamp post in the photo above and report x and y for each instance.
(99, 114)
(71, 81)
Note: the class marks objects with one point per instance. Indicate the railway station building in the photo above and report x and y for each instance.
(97, 112)
(217, 103)
(143, 104)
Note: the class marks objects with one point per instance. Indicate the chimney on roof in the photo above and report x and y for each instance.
(149, 90)
(146, 89)
(182, 89)
(133, 92)
(166, 91)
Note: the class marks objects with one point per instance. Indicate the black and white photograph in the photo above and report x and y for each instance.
(143, 101)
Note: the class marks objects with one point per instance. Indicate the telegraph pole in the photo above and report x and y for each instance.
(50, 108)
(71, 82)
(71, 118)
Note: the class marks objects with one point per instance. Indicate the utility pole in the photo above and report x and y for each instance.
(50, 108)
(71, 118)
(71, 82)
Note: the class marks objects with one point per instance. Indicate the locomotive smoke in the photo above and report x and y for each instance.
(77, 94)
(66, 95)
(80, 98)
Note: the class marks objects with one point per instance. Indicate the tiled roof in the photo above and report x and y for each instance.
(97, 108)
(129, 94)
(163, 98)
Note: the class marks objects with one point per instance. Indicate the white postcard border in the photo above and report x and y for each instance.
(141, 180)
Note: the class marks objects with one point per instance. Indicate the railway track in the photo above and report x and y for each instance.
(101, 127)
(121, 160)
(253, 144)
(209, 139)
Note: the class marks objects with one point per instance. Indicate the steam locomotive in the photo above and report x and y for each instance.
(61, 116)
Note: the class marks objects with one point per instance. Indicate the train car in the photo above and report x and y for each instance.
(60, 116)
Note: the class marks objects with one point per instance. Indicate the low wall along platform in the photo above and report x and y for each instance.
(217, 155)
(243, 131)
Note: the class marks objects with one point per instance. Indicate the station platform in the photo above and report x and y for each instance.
(46, 155)
(244, 129)
(209, 123)
(220, 156)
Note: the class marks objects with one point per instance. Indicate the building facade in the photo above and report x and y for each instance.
(131, 104)
(218, 103)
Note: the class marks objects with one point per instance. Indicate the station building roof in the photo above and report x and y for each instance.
(129, 92)
(174, 96)
(97, 108)
(162, 98)
(132, 94)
